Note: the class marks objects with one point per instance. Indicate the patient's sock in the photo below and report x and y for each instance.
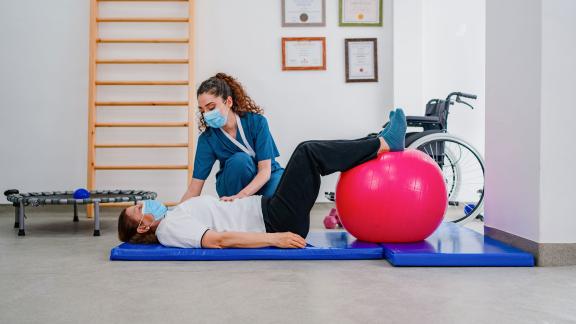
(385, 129)
(396, 133)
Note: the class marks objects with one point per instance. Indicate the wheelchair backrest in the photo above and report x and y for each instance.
(437, 108)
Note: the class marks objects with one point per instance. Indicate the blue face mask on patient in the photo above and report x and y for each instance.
(215, 119)
(154, 207)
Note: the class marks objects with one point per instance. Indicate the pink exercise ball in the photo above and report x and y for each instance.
(397, 197)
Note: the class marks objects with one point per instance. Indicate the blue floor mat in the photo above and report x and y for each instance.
(454, 245)
(330, 245)
(450, 245)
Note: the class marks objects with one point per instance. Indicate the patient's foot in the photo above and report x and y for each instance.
(395, 135)
(385, 129)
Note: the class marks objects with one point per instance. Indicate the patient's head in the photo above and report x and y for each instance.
(136, 227)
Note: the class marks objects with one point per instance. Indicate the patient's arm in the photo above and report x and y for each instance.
(218, 240)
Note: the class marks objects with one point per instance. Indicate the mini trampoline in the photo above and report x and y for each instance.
(21, 200)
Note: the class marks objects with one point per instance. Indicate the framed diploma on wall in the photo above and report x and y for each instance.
(303, 53)
(360, 13)
(361, 59)
(303, 13)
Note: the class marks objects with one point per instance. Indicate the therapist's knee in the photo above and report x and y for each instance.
(241, 162)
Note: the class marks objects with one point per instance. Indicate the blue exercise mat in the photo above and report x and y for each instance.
(323, 245)
(454, 245)
(450, 245)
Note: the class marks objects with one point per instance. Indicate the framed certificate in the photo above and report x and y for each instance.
(361, 60)
(360, 12)
(303, 13)
(303, 53)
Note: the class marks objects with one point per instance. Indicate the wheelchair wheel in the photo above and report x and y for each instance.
(451, 173)
(463, 170)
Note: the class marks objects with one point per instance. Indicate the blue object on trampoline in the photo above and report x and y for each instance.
(454, 245)
(81, 193)
(321, 246)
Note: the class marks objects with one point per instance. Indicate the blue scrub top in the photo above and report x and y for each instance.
(214, 145)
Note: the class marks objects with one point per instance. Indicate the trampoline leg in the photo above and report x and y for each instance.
(21, 231)
(96, 218)
(16, 216)
(75, 212)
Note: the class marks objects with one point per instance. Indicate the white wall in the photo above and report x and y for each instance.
(453, 58)
(530, 79)
(513, 117)
(439, 48)
(558, 113)
(407, 48)
(43, 91)
(45, 80)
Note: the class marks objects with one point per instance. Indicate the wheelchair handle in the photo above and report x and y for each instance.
(458, 100)
(465, 95)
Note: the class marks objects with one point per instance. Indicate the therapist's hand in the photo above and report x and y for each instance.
(232, 198)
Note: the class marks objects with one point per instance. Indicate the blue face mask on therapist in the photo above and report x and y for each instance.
(154, 207)
(215, 119)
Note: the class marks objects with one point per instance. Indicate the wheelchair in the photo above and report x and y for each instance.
(461, 164)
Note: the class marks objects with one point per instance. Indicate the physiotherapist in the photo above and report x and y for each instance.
(234, 132)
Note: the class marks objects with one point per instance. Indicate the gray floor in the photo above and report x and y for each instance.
(59, 273)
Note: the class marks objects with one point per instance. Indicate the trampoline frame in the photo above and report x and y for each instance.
(21, 200)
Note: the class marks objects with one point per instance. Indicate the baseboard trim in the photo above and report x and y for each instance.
(545, 254)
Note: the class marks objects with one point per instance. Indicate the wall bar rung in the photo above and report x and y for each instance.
(143, 40)
(141, 167)
(144, 19)
(167, 124)
(180, 82)
(142, 103)
(141, 145)
(142, 0)
(144, 61)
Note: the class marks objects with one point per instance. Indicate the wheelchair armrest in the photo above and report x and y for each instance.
(420, 121)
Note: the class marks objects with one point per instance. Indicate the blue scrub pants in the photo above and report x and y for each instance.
(239, 170)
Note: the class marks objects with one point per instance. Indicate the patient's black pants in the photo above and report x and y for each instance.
(288, 210)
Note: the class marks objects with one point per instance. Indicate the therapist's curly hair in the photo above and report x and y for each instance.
(127, 231)
(223, 85)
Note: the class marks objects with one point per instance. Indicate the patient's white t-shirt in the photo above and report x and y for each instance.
(185, 225)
